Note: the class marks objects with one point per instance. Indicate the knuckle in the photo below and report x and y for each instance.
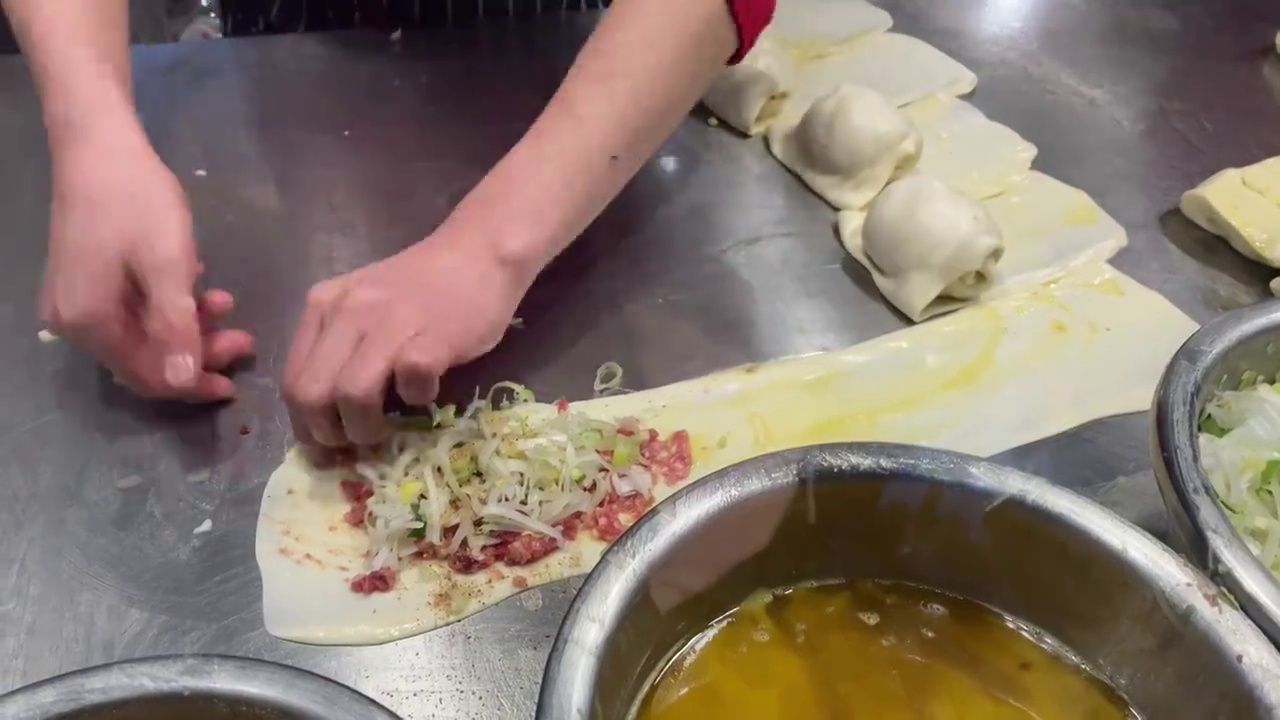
(419, 360)
(74, 316)
(359, 391)
(321, 295)
(363, 299)
(144, 385)
(309, 397)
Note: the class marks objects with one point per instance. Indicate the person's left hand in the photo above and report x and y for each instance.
(404, 320)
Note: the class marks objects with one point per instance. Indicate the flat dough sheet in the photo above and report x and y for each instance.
(982, 380)
(1048, 227)
(900, 67)
(811, 24)
(977, 156)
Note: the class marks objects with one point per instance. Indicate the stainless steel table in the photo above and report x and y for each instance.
(320, 153)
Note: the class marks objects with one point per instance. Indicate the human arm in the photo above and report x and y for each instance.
(122, 262)
(632, 84)
(450, 298)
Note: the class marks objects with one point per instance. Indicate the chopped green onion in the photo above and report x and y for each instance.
(444, 417)
(625, 452)
(418, 533)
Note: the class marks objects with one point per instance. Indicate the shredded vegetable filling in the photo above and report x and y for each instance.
(501, 484)
(1240, 454)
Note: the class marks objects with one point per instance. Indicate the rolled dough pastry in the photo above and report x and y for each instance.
(1237, 206)
(750, 94)
(964, 148)
(811, 29)
(1048, 228)
(899, 67)
(928, 248)
(981, 381)
(848, 146)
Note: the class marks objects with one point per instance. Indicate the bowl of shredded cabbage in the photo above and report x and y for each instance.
(1216, 448)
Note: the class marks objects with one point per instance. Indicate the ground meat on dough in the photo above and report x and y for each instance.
(525, 548)
(617, 513)
(464, 563)
(357, 492)
(671, 459)
(379, 581)
(570, 526)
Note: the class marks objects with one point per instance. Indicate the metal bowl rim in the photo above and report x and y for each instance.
(1175, 424)
(289, 688)
(571, 669)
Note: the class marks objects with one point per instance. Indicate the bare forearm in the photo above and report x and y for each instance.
(78, 53)
(646, 64)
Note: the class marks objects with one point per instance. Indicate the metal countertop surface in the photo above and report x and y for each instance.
(320, 153)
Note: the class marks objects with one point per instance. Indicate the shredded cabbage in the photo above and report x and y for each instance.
(1240, 454)
(494, 467)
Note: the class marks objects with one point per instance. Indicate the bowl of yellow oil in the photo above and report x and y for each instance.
(888, 581)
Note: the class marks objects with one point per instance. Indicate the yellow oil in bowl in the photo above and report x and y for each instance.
(874, 649)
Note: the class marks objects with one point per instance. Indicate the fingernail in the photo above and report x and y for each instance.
(179, 370)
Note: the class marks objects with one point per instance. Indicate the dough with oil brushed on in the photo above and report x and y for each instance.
(848, 146)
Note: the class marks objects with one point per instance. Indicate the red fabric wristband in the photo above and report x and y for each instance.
(751, 17)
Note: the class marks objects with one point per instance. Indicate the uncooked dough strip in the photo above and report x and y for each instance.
(975, 155)
(814, 28)
(983, 380)
(902, 68)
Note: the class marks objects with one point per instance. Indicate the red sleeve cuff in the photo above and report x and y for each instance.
(751, 17)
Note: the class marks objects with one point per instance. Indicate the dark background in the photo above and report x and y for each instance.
(153, 21)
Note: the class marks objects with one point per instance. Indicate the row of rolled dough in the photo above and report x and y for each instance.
(856, 109)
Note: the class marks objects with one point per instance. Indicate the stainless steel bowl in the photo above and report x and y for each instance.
(190, 687)
(1128, 606)
(1214, 358)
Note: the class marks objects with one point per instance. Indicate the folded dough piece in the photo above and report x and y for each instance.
(928, 248)
(1233, 206)
(811, 29)
(965, 149)
(1047, 228)
(899, 67)
(848, 146)
(750, 94)
(1264, 179)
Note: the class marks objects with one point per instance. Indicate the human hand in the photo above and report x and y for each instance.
(407, 320)
(122, 266)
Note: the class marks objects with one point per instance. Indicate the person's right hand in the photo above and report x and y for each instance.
(121, 273)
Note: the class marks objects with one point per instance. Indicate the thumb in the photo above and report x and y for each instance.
(165, 273)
